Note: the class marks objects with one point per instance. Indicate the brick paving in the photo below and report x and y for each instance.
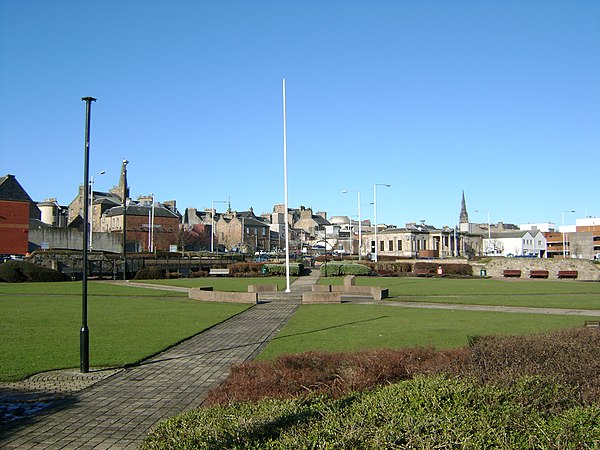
(118, 411)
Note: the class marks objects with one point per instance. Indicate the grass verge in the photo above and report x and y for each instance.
(41, 322)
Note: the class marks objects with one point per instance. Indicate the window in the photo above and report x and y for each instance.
(399, 245)
(381, 246)
(391, 246)
(372, 246)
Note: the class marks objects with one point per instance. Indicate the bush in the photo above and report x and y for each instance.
(449, 269)
(339, 268)
(296, 269)
(245, 269)
(21, 271)
(150, 273)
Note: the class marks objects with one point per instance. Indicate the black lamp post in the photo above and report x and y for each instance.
(125, 162)
(84, 333)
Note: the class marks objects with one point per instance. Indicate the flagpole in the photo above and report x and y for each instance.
(285, 189)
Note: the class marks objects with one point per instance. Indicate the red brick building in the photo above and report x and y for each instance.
(16, 207)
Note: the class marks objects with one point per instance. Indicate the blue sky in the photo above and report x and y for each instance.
(500, 99)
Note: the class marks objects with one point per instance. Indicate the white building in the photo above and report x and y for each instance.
(516, 243)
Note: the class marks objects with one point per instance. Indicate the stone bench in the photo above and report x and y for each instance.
(321, 297)
(222, 296)
(511, 273)
(376, 292)
(567, 274)
(538, 274)
(262, 288)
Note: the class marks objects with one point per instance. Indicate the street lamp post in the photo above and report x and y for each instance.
(212, 224)
(489, 229)
(125, 162)
(375, 213)
(359, 224)
(564, 237)
(84, 332)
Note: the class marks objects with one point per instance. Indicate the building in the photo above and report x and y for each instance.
(516, 243)
(242, 231)
(150, 226)
(16, 209)
(420, 241)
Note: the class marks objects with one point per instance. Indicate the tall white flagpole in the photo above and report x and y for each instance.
(285, 189)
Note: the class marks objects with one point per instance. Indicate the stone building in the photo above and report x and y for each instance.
(242, 231)
(149, 228)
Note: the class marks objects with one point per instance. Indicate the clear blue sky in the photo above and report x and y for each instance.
(500, 99)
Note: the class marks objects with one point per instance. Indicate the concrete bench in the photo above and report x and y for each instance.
(219, 271)
(592, 323)
(221, 296)
(511, 273)
(538, 274)
(321, 297)
(262, 288)
(376, 292)
(567, 274)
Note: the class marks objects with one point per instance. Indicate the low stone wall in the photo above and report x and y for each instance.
(262, 288)
(220, 296)
(586, 270)
(373, 291)
(321, 297)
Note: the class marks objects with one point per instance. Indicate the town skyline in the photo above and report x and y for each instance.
(499, 99)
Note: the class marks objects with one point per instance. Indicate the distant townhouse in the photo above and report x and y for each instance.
(243, 231)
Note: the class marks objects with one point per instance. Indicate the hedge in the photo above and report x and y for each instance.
(150, 273)
(296, 269)
(449, 269)
(337, 268)
(22, 271)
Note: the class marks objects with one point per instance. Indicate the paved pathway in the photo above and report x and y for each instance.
(118, 411)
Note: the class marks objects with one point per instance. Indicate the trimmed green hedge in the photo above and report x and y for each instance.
(339, 268)
(296, 269)
(22, 271)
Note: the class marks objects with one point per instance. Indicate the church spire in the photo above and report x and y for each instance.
(122, 190)
(464, 216)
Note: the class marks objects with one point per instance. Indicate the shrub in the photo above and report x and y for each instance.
(20, 271)
(449, 269)
(150, 273)
(340, 268)
(392, 268)
(296, 269)
(245, 269)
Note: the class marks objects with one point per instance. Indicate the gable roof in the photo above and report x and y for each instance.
(10, 189)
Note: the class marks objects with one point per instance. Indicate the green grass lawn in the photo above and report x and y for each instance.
(232, 284)
(529, 293)
(40, 324)
(350, 327)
